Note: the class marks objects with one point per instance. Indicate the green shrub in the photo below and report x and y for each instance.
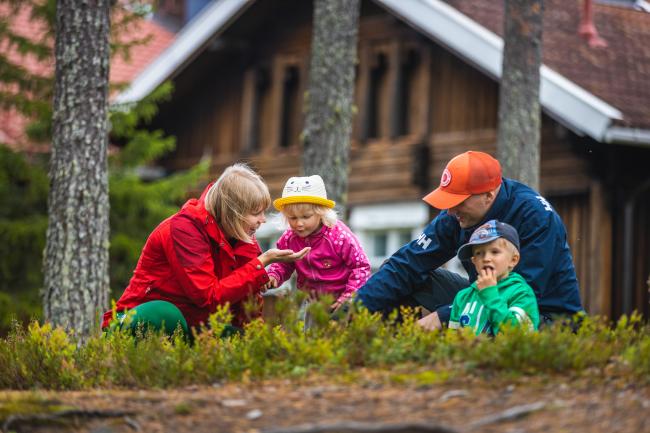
(23, 221)
(42, 357)
(23, 185)
(22, 306)
(637, 358)
(22, 241)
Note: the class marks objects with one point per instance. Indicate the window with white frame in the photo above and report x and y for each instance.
(381, 244)
(385, 228)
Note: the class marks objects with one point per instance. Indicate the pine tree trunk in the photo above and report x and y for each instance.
(519, 107)
(328, 121)
(76, 253)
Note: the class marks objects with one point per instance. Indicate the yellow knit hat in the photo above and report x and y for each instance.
(306, 189)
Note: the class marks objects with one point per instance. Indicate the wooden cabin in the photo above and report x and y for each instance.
(427, 88)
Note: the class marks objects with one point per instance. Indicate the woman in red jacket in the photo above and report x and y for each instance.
(203, 256)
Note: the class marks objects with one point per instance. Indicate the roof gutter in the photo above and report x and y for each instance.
(573, 106)
(630, 136)
(568, 103)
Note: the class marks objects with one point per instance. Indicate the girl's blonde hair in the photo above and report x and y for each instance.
(327, 216)
(238, 192)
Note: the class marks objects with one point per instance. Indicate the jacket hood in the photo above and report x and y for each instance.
(195, 209)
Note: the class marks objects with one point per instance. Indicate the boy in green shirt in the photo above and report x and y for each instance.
(499, 296)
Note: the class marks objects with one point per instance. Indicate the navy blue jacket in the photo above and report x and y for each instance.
(546, 262)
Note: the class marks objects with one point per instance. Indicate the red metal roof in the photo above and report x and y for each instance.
(12, 123)
(141, 55)
(618, 74)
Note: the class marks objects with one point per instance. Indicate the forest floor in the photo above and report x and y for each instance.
(367, 401)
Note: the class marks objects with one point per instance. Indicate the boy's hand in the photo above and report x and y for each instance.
(487, 277)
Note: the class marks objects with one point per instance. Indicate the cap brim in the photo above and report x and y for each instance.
(282, 202)
(444, 200)
(465, 251)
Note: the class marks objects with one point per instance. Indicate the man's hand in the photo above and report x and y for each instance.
(430, 322)
(275, 255)
(486, 278)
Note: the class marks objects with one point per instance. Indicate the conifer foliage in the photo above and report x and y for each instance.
(26, 60)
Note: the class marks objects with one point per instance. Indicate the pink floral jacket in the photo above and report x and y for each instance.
(336, 264)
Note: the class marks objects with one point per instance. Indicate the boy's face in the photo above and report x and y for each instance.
(497, 256)
(303, 223)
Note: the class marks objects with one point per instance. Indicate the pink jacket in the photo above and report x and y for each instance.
(335, 265)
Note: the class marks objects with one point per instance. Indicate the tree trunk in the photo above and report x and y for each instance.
(328, 121)
(519, 108)
(76, 252)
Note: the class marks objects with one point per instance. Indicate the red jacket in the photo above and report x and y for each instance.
(188, 261)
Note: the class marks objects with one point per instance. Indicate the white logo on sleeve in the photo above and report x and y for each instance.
(546, 204)
(423, 241)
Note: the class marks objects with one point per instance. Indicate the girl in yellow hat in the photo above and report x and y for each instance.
(336, 263)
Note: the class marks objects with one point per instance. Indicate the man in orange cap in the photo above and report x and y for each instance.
(471, 192)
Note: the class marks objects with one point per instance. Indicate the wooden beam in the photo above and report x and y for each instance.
(422, 126)
(277, 86)
(303, 67)
(600, 253)
(360, 127)
(249, 120)
(393, 98)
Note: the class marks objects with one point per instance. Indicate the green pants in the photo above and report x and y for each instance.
(155, 315)
(161, 316)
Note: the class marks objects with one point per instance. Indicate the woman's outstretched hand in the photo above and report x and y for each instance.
(275, 255)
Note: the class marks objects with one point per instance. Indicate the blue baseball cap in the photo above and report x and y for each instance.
(488, 232)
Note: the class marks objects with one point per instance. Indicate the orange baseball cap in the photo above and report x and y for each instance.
(466, 174)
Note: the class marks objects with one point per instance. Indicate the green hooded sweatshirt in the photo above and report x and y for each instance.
(511, 301)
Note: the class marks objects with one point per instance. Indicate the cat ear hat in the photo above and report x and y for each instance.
(305, 189)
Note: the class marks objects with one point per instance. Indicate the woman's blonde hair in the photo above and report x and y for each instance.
(327, 216)
(238, 192)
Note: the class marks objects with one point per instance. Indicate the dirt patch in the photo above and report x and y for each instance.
(468, 405)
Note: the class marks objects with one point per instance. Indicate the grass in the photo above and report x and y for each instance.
(42, 357)
(28, 405)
